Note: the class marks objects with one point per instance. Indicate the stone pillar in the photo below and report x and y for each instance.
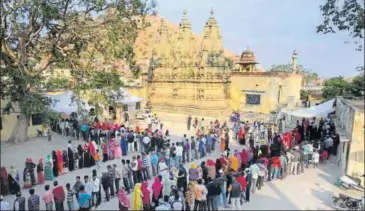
(295, 62)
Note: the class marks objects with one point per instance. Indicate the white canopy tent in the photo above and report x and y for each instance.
(318, 111)
(65, 104)
(127, 98)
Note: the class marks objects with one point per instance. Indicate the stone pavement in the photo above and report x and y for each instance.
(311, 190)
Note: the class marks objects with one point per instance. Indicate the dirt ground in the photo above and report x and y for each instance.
(312, 190)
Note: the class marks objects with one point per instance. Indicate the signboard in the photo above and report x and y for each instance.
(252, 99)
(253, 91)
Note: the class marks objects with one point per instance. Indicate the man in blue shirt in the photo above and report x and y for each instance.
(84, 199)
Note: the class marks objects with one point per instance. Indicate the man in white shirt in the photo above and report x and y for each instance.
(329, 144)
(163, 169)
(149, 122)
(62, 127)
(95, 185)
(179, 153)
(135, 169)
(146, 141)
(88, 185)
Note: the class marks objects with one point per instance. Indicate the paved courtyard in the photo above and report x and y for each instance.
(312, 190)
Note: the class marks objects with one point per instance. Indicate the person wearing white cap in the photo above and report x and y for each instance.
(221, 179)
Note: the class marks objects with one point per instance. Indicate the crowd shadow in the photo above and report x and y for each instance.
(324, 196)
(289, 204)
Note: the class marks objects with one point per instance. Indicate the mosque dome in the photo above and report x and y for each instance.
(247, 57)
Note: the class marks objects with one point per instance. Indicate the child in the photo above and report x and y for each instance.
(70, 197)
(324, 156)
(97, 159)
(315, 158)
(27, 180)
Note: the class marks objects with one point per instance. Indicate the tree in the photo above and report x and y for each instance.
(336, 86)
(55, 83)
(357, 86)
(308, 76)
(346, 15)
(37, 34)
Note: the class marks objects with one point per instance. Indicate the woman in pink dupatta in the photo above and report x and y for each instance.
(123, 200)
(156, 187)
(118, 149)
(92, 148)
(111, 144)
(146, 196)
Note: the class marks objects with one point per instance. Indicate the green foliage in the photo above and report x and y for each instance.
(303, 94)
(346, 15)
(229, 62)
(55, 83)
(37, 34)
(308, 76)
(337, 86)
(284, 68)
(136, 70)
(357, 86)
(50, 116)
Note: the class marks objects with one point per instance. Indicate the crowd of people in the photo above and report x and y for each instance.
(265, 153)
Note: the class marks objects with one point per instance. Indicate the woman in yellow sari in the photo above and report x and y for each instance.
(137, 197)
(234, 163)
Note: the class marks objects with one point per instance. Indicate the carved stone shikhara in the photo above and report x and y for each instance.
(193, 77)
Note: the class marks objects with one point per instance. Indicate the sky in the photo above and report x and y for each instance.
(272, 29)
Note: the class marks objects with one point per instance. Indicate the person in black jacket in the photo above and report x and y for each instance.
(248, 176)
(205, 172)
(105, 182)
(213, 192)
(229, 182)
(55, 163)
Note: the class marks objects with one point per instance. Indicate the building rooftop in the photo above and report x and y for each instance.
(359, 104)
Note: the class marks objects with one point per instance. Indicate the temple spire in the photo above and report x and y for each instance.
(184, 44)
(211, 45)
(185, 22)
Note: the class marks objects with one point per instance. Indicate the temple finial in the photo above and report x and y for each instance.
(184, 13)
(295, 52)
(211, 12)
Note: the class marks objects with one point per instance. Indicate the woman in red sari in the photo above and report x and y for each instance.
(92, 149)
(287, 140)
(224, 161)
(40, 171)
(297, 136)
(4, 182)
(60, 162)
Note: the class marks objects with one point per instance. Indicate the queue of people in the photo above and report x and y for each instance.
(228, 180)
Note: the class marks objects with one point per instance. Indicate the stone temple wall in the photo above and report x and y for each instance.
(190, 91)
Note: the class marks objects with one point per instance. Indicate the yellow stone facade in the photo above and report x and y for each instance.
(191, 77)
(350, 125)
(187, 76)
(8, 122)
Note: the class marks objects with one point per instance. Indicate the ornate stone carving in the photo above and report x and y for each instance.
(185, 81)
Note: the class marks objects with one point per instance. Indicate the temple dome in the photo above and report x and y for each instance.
(247, 57)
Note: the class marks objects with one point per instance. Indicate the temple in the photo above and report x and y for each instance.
(191, 76)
